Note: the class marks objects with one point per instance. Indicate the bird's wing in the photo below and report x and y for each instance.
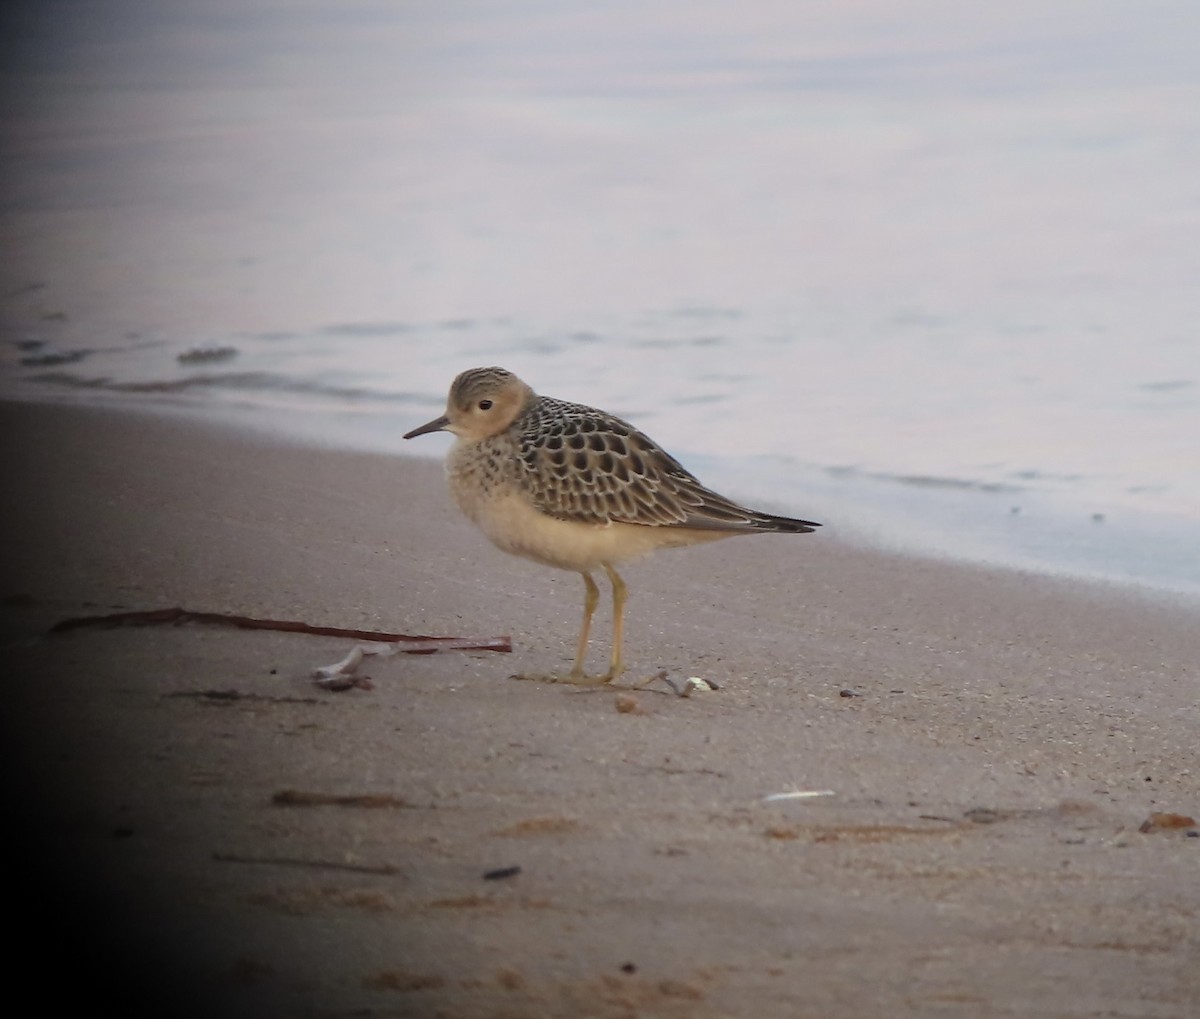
(584, 465)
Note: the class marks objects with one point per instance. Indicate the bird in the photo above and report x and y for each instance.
(579, 489)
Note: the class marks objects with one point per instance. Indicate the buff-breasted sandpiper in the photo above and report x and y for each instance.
(575, 488)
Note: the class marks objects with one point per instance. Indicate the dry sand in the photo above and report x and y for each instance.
(1006, 736)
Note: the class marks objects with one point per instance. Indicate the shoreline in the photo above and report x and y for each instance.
(993, 738)
(921, 518)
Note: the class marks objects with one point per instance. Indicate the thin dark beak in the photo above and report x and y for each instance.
(436, 425)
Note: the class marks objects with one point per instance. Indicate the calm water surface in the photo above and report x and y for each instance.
(931, 275)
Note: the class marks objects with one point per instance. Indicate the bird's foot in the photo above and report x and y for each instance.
(576, 677)
(571, 679)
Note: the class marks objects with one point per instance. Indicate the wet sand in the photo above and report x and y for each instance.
(993, 740)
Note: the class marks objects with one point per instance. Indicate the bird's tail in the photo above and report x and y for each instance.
(783, 525)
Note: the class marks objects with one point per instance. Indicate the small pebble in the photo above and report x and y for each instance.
(1164, 821)
(983, 815)
(627, 704)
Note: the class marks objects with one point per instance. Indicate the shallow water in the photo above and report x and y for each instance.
(932, 276)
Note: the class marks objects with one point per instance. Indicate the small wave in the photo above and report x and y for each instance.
(700, 398)
(537, 345)
(701, 312)
(670, 342)
(917, 317)
(1167, 386)
(366, 329)
(923, 480)
(274, 335)
(1035, 475)
(725, 378)
(207, 354)
(45, 355)
(264, 382)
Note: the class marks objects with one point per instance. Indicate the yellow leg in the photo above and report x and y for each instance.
(591, 598)
(619, 593)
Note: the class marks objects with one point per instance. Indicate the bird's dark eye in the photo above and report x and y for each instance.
(485, 404)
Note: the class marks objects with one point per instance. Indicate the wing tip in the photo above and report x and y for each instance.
(785, 525)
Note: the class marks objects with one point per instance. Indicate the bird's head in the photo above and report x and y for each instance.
(483, 402)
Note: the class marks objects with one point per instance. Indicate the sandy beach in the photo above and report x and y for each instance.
(993, 741)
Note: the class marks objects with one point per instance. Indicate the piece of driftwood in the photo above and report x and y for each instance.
(296, 798)
(228, 696)
(290, 861)
(419, 644)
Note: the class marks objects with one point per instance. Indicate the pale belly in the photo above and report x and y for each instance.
(514, 526)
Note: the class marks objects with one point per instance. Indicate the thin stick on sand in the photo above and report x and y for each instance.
(420, 644)
(289, 861)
